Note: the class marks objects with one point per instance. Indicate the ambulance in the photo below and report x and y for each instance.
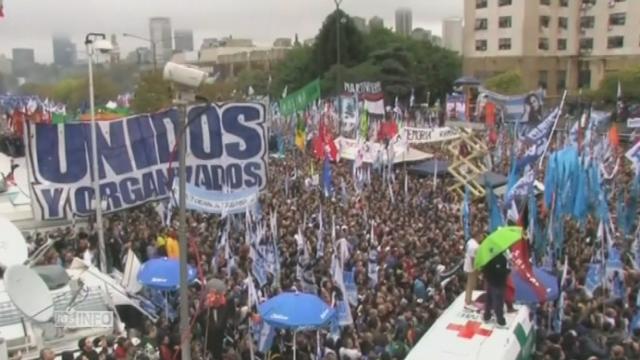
(461, 334)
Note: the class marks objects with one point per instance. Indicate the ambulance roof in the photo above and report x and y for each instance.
(461, 334)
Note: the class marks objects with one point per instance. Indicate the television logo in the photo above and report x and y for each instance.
(83, 319)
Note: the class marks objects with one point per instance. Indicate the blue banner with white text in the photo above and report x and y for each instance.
(226, 150)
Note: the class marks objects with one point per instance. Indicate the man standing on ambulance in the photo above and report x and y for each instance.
(472, 274)
(496, 273)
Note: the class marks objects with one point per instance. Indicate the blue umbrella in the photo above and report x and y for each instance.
(296, 311)
(525, 292)
(163, 274)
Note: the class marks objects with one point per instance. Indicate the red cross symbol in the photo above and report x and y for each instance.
(469, 330)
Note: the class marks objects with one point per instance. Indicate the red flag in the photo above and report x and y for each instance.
(614, 138)
(522, 264)
(324, 145)
(388, 130)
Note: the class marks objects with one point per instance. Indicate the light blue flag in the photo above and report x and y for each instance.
(595, 273)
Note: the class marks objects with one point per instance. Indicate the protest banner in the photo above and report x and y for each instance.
(372, 152)
(633, 123)
(216, 202)
(301, 99)
(522, 108)
(455, 106)
(430, 135)
(226, 149)
(369, 93)
(365, 87)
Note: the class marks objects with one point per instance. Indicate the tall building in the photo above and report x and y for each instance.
(404, 21)
(452, 34)
(376, 22)
(23, 60)
(558, 44)
(140, 56)
(64, 51)
(160, 34)
(360, 23)
(183, 40)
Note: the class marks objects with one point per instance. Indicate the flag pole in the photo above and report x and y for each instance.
(553, 129)
(435, 175)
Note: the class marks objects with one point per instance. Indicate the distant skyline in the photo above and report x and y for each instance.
(32, 23)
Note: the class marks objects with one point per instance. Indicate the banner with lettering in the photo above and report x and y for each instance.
(217, 202)
(226, 149)
(430, 135)
(456, 105)
(522, 108)
(365, 87)
(301, 99)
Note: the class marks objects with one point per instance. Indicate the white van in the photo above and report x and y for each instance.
(461, 334)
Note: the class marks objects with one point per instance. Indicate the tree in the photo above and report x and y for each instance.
(294, 71)
(629, 81)
(435, 69)
(353, 49)
(221, 91)
(152, 93)
(508, 83)
(257, 79)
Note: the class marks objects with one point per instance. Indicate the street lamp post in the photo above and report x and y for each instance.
(153, 47)
(338, 61)
(93, 42)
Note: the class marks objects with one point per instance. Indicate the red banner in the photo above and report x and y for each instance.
(522, 264)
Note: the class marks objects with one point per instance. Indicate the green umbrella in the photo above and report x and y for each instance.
(496, 243)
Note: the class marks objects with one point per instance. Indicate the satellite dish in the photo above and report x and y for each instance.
(13, 247)
(29, 293)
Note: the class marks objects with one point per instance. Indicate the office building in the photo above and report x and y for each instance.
(376, 22)
(160, 34)
(360, 23)
(140, 56)
(64, 51)
(404, 21)
(452, 34)
(183, 40)
(557, 44)
(209, 43)
(23, 60)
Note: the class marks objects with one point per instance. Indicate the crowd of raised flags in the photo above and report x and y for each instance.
(578, 176)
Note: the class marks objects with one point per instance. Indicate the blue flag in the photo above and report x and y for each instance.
(595, 273)
(327, 185)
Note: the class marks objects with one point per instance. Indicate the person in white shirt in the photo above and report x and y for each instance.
(472, 274)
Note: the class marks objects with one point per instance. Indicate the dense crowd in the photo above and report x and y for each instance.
(418, 238)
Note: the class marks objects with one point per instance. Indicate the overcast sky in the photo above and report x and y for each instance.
(31, 23)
